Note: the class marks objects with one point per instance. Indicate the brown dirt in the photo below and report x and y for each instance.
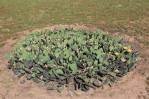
(132, 86)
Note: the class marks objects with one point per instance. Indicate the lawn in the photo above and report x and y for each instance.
(125, 16)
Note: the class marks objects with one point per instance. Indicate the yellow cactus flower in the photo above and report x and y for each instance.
(129, 50)
(116, 53)
(123, 59)
(125, 48)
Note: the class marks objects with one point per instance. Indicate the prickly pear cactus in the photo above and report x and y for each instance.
(68, 56)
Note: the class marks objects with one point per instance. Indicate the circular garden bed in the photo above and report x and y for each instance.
(75, 57)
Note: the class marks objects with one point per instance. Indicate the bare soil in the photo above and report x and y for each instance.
(135, 85)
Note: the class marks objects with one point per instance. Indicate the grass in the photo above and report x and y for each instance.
(1, 44)
(110, 15)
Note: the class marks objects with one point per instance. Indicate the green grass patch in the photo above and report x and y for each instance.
(1, 44)
(19, 15)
